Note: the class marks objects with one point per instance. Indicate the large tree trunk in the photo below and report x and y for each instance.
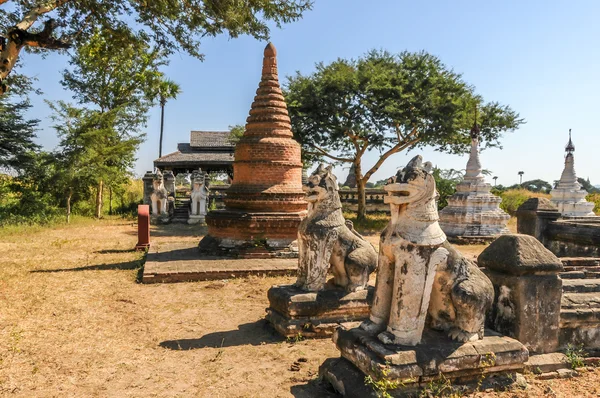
(99, 199)
(362, 197)
(69, 205)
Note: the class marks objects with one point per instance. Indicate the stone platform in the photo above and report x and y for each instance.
(413, 367)
(293, 311)
(182, 262)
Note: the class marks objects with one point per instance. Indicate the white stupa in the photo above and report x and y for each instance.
(473, 213)
(568, 195)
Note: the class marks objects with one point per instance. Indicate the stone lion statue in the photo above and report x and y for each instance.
(159, 195)
(326, 240)
(420, 275)
(199, 194)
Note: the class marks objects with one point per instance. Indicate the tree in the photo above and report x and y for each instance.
(536, 186)
(172, 25)
(587, 185)
(167, 90)
(236, 132)
(16, 131)
(388, 103)
(117, 74)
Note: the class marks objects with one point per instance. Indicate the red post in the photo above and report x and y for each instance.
(143, 228)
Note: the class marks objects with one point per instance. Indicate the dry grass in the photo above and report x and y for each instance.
(75, 323)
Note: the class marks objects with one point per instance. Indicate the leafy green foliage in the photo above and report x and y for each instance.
(388, 103)
(171, 25)
(445, 183)
(587, 185)
(575, 356)
(16, 131)
(235, 133)
(594, 198)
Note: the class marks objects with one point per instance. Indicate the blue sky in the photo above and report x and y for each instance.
(539, 57)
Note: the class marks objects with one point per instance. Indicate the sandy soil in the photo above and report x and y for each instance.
(75, 323)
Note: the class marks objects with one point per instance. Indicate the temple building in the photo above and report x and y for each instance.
(211, 151)
(568, 195)
(473, 213)
(265, 203)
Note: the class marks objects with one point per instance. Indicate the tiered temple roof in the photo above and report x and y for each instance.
(208, 150)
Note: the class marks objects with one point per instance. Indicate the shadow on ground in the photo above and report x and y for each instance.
(114, 251)
(256, 333)
(314, 388)
(127, 265)
(175, 230)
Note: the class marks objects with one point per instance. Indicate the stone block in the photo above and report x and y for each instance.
(527, 290)
(293, 311)
(519, 255)
(412, 367)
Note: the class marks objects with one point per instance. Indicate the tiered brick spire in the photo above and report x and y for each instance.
(265, 203)
(267, 168)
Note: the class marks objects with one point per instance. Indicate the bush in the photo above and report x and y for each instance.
(513, 198)
(594, 198)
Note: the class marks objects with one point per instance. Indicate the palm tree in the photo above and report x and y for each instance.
(521, 177)
(495, 180)
(167, 90)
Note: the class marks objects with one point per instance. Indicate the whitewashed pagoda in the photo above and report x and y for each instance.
(473, 213)
(568, 195)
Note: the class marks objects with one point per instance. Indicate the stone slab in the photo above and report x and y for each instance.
(293, 311)
(435, 355)
(543, 363)
(181, 262)
(494, 357)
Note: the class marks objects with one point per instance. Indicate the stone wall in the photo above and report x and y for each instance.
(565, 237)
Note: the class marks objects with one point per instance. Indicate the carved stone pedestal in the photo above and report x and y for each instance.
(293, 311)
(414, 367)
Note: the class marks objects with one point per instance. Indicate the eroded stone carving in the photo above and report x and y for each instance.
(325, 239)
(420, 273)
(159, 196)
(198, 198)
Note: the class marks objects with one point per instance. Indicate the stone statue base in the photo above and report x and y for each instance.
(241, 234)
(436, 355)
(196, 219)
(159, 220)
(293, 311)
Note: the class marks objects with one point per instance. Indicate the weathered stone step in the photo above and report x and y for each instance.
(581, 285)
(573, 275)
(580, 261)
(580, 300)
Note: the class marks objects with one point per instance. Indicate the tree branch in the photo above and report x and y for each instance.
(396, 148)
(324, 153)
(40, 9)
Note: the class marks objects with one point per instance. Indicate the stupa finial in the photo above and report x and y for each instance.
(570, 148)
(269, 69)
(475, 128)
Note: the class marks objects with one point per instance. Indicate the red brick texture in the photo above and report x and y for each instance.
(265, 199)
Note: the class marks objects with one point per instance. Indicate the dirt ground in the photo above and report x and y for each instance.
(75, 323)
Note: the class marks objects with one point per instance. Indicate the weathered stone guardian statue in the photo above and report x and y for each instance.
(420, 273)
(424, 290)
(159, 196)
(314, 307)
(326, 242)
(198, 198)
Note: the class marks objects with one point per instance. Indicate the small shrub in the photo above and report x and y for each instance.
(594, 198)
(575, 356)
(383, 384)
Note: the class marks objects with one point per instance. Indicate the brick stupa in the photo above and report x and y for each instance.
(265, 202)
